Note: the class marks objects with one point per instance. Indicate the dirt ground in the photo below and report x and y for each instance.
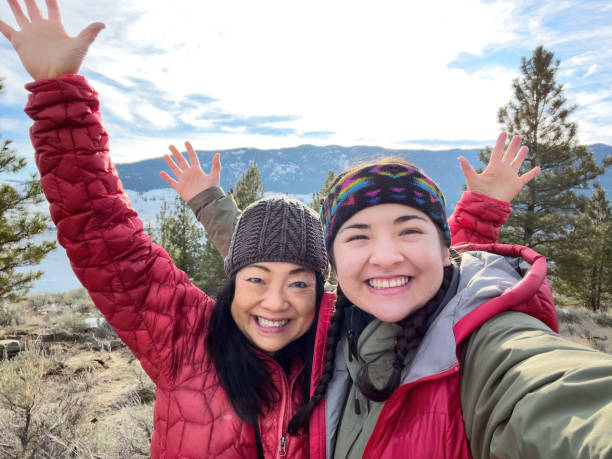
(116, 395)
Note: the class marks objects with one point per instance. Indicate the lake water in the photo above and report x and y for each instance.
(58, 275)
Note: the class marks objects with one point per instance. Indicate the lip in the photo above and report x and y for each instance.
(391, 290)
(271, 330)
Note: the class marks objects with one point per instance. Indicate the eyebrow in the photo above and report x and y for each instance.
(405, 218)
(265, 268)
(397, 221)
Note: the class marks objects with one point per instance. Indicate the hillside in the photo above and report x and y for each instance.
(303, 169)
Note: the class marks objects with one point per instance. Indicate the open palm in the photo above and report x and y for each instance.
(190, 178)
(500, 180)
(44, 47)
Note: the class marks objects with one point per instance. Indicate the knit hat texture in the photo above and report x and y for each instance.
(381, 183)
(278, 229)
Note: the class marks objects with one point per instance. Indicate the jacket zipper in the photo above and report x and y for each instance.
(289, 386)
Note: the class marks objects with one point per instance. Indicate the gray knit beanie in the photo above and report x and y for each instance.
(278, 229)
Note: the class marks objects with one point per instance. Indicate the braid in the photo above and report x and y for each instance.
(333, 335)
(413, 327)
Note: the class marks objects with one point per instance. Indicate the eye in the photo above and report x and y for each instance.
(299, 284)
(356, 237)
(409, 231)
(255, 280)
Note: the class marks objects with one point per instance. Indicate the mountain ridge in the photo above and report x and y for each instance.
(303, 169)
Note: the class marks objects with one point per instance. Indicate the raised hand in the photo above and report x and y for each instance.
(501, 179)
(44, 47)
(190, 178)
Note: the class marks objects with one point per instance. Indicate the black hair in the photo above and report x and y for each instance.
(236, 361)
(413, 326)
(334, 333)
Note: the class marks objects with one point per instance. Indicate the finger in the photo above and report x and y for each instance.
(53, 10)
(517, 162)
(21, 18)
(512, 149)
(497, 153)
(529, 176)
(169, 180)
(174, 152)
(6, 30)
(173, 167)
(89, 33)
(469, 172)
(193, 156)
(33, 10)
(215, 169)
(180, 159)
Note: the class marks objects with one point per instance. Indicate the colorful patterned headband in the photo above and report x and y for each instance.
(381, 183)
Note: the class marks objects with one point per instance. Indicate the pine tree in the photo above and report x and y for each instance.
(18, 226)
(212, 274)
(584, 268)
(248, 190)
(544, 212)
(248, 187)
(182, 236)
(317, 198)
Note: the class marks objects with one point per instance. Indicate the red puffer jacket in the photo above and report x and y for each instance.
(423, 417)
(152, 305)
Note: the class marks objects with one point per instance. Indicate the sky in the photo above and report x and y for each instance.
(281, 73)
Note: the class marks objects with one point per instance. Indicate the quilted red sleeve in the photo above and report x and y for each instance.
(152, 305)
(477, 219)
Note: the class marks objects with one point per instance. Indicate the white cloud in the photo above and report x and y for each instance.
(350, 67)
(376, 73)
(158, 118)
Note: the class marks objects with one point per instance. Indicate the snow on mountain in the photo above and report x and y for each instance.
(296, 172)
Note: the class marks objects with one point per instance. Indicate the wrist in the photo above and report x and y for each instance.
(487, 197)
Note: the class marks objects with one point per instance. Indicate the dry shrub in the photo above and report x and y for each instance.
(570, 315)
(127, 433)
(76, 300)
(105, 331)
(10, 315)
(603, 319)
(72, 323)
(39, 415)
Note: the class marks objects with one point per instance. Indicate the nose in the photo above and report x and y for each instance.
(274, 299)
(385, 252)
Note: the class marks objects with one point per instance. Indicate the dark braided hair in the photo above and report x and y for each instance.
(405, 341)
(334, 332)
(413, 327)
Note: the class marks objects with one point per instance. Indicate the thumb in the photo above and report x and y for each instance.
(528, 176)
(6, 30)
(468, 171)
(215, 169)
(89, 33)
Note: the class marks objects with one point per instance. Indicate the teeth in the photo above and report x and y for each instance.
(271, 323)
(380, 284)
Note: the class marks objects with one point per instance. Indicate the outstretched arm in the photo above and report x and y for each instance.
(44, 47)
(217, 212)
(131, 280)
(485, 207)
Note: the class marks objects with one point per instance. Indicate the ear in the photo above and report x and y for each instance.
(446, 258)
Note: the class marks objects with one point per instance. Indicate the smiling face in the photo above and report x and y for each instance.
(389, 260)
(274, 303)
